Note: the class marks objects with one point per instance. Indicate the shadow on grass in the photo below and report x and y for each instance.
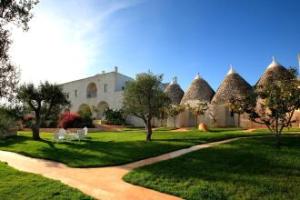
(13, 140)
(248, 164)
(23, 139)
(89, 153)
(96, 153)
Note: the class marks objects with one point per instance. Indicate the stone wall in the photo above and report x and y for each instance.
(109, 90)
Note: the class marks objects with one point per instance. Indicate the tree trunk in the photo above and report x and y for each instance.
(36, 128)
(36, 132)
(239, 120)
(278, 141)
(174, 121)
(149, 130)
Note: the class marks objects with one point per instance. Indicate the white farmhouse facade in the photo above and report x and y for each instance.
(97, 92)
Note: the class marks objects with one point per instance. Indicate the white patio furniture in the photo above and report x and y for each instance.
(81, 134)
(60, 135)
(86, 130)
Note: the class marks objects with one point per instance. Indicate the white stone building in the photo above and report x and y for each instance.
(97, 92)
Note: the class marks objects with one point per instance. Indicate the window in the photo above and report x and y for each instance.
(91, 91)
(75, 93)
(105, 87)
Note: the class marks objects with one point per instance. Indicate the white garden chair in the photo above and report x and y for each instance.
(85, 130)
(81, 134)
(60, 135)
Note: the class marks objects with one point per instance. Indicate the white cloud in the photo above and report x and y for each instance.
(61, 46)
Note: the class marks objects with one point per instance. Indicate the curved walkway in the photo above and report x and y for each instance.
(103, 183)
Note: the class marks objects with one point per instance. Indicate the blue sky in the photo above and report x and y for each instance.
(173, 37)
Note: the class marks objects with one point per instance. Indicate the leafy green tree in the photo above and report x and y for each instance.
(144, 98)
(236, 105)
(42, 100)
(12, 13)
(198, 109)
(274, 103)
(115, 117)
(174, 110)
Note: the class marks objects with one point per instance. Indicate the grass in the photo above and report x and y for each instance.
(112, 148)
(250, 168)
(19, 185)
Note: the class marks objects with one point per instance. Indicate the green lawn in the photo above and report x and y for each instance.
(20, 185)
(250, 168)
(112, 148)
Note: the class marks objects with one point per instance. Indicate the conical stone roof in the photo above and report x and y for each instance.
(199, 90)
(273, 72)
(174, 92)
(232, 86)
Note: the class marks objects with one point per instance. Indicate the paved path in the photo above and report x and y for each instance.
(101, 183)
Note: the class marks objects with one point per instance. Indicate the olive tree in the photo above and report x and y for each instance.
(274, 103)
(174, 110)
(43, 100)
(144, 98)
(198, 108)
(13, 13)
(235, 105)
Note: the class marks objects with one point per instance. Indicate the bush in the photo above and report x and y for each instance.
(6, 126)
(7, 123)
(74, 120)
(114, 117)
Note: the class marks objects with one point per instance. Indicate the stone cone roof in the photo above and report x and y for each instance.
(199, 90)
(232, 86)
(174, 92)
(273, 71)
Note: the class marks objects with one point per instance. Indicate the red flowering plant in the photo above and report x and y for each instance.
(69, 120)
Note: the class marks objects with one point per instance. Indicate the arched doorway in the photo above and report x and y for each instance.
(84, 110)
(101, 107)
(91, 91)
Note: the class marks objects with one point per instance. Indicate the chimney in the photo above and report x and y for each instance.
(116, 69)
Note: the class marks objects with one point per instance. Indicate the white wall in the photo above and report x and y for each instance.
(113, 96)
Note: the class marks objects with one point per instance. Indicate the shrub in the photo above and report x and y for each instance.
(7, 123)
(115, 117)
(86, 117)
(74, 120)
(85, 113)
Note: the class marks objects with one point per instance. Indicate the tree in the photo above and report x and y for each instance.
(17, 13)
(235, 105)
(114, 117)
(212, 114)
(174, 110)
(42, 100)
(144, 98)
(199, 108)
(274, 103)
(163, 115)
